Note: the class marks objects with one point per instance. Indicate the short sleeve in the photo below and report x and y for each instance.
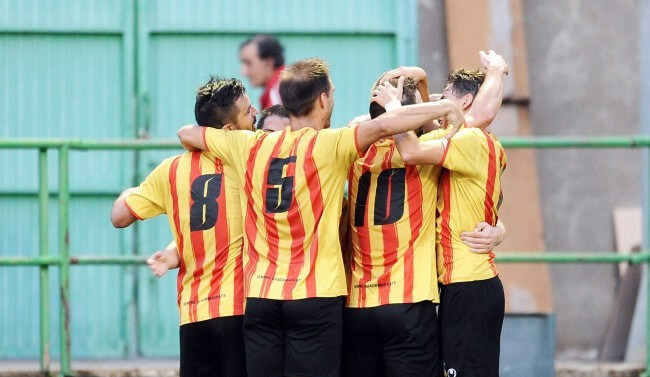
(433, 135)
(148, 200)
(466, 152)
(341, 144)
(229, 146)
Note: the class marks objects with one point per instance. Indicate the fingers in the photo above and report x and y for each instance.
(400, 86)
(482, 225)
(476, 241)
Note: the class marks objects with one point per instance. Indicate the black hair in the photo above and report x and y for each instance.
(275, 110)
(215, 101)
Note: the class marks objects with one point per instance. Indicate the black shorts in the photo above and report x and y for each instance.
(392, 340)
(214, 348)
(471, 317)
(297, 338)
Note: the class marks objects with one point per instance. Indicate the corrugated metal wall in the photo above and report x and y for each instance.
(120, 69)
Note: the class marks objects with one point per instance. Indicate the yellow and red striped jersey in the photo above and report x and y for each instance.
(294, 183)
(469, 193)
(200, 196)
(392, 228)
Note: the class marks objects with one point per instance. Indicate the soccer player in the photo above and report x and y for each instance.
(275, 118)
(294, 180)
(201, 196)
(472, 298)
(262, 61)
(390, 323)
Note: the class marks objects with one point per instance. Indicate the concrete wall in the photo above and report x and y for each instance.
(584, 69)
(583, 59)
(433, 43)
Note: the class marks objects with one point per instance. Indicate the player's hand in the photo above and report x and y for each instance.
(494, 61)
(385, 92)
(483, 239)
(435, 96)
(417, 73)
(158, 263)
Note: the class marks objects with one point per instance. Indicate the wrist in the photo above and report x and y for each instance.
(392, 105)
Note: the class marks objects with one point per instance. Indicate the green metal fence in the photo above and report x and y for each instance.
(64, 260)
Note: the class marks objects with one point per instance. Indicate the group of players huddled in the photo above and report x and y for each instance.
(281, 273)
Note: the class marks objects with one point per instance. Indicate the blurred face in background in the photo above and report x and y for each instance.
(258, 71)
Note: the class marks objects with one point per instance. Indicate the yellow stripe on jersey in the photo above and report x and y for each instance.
(469, 191)
(392, 228)
(294, 184)
(200, 196)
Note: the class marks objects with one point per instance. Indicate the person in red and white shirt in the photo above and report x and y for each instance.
(262, 61)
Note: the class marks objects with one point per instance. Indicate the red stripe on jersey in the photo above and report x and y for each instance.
(294, 217)
(489, 185)
(445, 239)
(271, 225)
(221, 243)
(415, 200)
(389, 233)
(364, 230)
(317, 206)
(177, 225)
(250, 225)
(197, 242)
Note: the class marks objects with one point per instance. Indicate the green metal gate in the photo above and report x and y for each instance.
(105, 69)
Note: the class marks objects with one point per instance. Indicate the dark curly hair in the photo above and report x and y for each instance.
(215, 101)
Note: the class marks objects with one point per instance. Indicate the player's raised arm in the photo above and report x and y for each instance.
(405, 119)
(490, 95)
(417, 73)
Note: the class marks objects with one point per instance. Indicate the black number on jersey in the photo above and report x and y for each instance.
(389, 197)
(205, 209)
(279, 199)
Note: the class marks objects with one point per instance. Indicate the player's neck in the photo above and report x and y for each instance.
(298, 123)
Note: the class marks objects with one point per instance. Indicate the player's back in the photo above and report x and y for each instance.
(294, 182)
(392, 228)
(200, 196)
(469, 192)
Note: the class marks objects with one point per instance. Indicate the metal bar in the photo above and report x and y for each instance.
(504, 257)
(162, 144)
(90, 194)
(120, 260)
(44, 276)
(64, 267)
(30, 261)
(576, 142)
(571, 257)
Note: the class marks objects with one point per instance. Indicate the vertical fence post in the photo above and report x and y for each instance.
(44, 275)
(644, 110)
(64, 268)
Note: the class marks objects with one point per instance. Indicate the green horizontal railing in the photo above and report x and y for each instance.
(64, 260)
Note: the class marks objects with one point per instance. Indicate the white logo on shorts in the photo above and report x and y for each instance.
(451, 372)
